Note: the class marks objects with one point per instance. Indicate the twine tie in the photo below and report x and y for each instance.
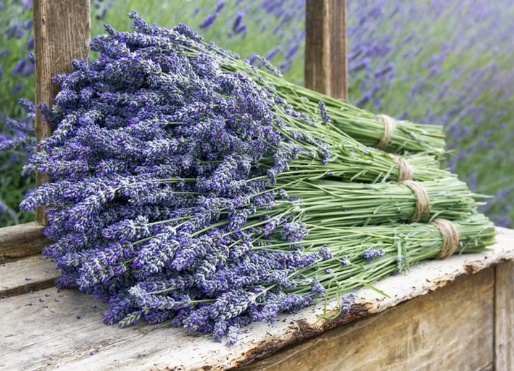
(388, 131)
(422, 208)
(450, 236)
(405, 171)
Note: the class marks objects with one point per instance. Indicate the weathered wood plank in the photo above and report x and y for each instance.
(53, 337)
(21, 240)
(61, 34)
(450, 329)
(504, 317)
(326, 65)
(25, 275)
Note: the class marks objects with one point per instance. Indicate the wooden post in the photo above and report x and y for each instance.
(326, 62)
(61, 34)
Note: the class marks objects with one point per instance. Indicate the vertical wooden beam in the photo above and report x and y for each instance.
(504, 317)
(61, 34)
(326, 62)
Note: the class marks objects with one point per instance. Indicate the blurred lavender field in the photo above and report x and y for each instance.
(439, 62)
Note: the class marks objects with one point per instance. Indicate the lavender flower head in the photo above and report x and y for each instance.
(371, 254)
(160, 163)
(323, 112)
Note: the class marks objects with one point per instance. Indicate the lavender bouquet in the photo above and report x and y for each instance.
(377, 131)
(189, 192)
(380, 131)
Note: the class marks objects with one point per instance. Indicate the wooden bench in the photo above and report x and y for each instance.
(455, 314)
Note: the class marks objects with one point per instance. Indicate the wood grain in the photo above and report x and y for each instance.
(21, 240)
(450, 329)
(504, 317)
(61, 34)
(326, 64)
(25, 275)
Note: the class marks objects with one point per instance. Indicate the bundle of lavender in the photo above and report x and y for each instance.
(351, 257)
(379, 131)
(187, 192)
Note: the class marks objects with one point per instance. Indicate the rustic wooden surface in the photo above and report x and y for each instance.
(326, 65)
(21, 240)
(504, 308)
(25, 275)
(61, 34)
(449, 329)
(69, 334)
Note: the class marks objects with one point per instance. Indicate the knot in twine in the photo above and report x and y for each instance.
(422, 208)
(405, 171)
(388, 131)
(450, 236)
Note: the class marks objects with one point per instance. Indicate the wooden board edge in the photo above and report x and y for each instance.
(25, 275)
(303, 330)
(30, 286)
(504, 317)
(21, 240)
(285, 358)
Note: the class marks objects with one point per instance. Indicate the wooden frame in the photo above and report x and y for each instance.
(326, 62)
(61, 34)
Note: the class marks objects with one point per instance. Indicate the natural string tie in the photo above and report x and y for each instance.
(450, 236)
(405, 171)
(422, 208)
(388, 131)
